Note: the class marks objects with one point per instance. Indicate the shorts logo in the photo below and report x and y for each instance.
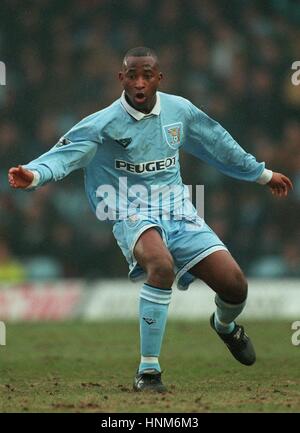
(133, 219)
(173, 134)
(146, 167)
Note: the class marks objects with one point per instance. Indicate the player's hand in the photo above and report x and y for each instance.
(280, 185)
(19, 177)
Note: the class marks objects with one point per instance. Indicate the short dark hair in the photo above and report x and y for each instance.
(141, 52)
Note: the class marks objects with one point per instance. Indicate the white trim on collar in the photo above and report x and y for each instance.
(138, 115)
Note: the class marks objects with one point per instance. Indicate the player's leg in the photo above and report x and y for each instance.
(153, 256)
(221, 272)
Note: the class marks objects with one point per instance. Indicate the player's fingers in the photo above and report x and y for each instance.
(285, 186)
(276, 191)
(10, 176)
(13, 170)
(287, 182)
(285, 191)
(11, 181)
(281, 190)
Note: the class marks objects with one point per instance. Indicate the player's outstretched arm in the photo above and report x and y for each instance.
(280, 185)
(63, 158)
(19, 177)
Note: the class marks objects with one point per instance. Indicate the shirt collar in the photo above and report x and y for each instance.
(138, 115)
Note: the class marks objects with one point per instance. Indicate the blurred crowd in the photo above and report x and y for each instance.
(232, 59)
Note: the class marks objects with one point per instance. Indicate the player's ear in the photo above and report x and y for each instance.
(121, 76)
(160, 75)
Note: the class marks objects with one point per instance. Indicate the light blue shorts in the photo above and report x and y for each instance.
(188, 239)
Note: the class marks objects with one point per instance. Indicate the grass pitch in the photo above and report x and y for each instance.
(88, 367)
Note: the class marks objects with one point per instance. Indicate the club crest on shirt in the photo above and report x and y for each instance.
(173, 134)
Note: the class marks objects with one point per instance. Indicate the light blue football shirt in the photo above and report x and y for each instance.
(131, 160)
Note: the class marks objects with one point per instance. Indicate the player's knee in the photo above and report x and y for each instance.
(239, 287)
(161, 272)
(235, 288)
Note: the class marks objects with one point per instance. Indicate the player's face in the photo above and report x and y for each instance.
(140, 78)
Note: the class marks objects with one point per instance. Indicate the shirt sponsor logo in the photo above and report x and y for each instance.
(150, 166)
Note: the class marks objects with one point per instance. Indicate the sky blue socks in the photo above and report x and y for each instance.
(154, 305)
(225, 315)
